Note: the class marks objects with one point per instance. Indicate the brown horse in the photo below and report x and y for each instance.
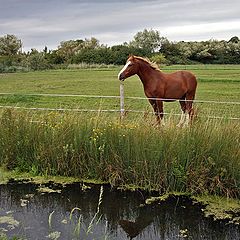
(159, 86)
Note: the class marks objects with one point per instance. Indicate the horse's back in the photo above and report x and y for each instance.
(178, 84)
(186, 78)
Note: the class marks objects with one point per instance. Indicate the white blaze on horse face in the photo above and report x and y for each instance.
(124, 68)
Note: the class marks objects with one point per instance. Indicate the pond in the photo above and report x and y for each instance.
(79, 211)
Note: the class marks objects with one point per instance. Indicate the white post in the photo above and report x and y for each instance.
(121, 100)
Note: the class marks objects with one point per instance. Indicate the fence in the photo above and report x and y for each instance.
(121, 98)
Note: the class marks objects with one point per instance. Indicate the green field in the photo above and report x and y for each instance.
(220, 83)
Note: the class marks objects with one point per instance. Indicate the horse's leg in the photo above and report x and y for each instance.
(183, 115)
(159, 112)
(154, 106)
(189, 109)
(158, 109)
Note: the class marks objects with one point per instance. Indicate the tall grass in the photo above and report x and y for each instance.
(203, 158)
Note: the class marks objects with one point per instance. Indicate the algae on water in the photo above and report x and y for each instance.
(220, 208)
(10, 221)
(54, 235)
(47, 190)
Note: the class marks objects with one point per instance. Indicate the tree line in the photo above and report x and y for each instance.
(147, 43)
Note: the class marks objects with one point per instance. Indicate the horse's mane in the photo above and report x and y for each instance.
(152, 64)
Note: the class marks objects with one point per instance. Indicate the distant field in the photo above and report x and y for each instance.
(215, 83)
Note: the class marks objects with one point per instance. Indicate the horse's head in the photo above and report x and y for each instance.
(130, 68)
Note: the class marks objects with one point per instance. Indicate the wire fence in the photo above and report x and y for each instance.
(120, 110)
(118, 97)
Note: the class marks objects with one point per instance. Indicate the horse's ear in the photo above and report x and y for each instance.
(131, 57)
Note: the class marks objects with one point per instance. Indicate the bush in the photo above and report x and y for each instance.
(37, 61)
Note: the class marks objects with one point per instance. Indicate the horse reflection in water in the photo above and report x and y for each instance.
(159, 86)
(134, 228)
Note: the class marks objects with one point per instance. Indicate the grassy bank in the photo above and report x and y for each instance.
(203, 158)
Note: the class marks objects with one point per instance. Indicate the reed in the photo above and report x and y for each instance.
(80, 229)
(203, 158)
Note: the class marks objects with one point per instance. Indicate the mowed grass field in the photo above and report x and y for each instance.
(219, 83)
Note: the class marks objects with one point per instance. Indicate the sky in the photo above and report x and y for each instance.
(40, 23)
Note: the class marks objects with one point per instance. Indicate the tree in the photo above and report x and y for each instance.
(68, 49)
(10, 45)
(172, 52)
(149, 40)
(54, 58)
(91, 43)
(234, 39)
(37, 61)
(158, 59)
(120, 53)
(98, 55)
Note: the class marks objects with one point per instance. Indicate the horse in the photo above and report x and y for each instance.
(160, 87)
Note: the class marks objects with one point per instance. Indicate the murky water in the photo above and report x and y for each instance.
(71, 214)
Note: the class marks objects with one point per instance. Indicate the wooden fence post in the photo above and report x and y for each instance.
(122, 111)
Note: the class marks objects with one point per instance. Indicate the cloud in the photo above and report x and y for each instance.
(198, 31)
(48, 22)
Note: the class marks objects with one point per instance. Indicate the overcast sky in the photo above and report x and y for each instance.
(42, 23)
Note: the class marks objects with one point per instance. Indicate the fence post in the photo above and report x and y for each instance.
(121, 100)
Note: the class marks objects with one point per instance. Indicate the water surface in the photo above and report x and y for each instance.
(70, 213)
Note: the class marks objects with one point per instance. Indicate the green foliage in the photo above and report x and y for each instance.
(37, 61)
(55, 58)
(159, 59)
(211, 51)
(98, 56)
(149, 40)
(234, 39)
(12, 63)
(68, 49)
(147, 43)
(10, 45)
(115, 55)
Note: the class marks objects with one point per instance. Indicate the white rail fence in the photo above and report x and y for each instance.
(121, 98)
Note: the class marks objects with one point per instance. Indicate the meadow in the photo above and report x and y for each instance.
(219, 83)
(203, 158)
